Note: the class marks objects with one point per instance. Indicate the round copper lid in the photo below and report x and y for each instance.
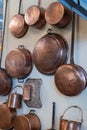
(32, 15)
(16, 24)
(54, 13)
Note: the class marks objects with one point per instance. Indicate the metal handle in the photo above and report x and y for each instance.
(49, 31)
(74, 107)
(19, 6)
(32, 111)
(17, 87)
(39, 3)
(21, 47)
(53, 115)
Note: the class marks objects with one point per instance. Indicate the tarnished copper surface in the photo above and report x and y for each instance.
(34, 16)
(7, 117)
(57, 14)
(5, 82)
(27, 122)
(18, 63)
(14, 100)
(17, 26)
(70, 79)
(49, 53)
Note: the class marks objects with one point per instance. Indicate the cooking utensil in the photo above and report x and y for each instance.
(17, 25)
(34, 16)
(53, 117)
(15, 99)
(57, 14)
(50, 52)
(18, 62)
(66, 124)
(70, 79)
(31, 93)
(27, 122)
(7, 117)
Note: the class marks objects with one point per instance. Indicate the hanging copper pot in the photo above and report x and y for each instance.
(15, 99)
(66, 124)
(57, 14)
(34, 16)
(17, 25)
(5, 82)
(18, 62)
(71, 79)
(27, 122)
(7, 117)
(50, 52)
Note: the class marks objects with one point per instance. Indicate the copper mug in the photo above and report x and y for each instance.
(15, 99)
(69, 124)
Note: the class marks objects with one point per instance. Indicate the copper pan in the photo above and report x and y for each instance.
(34, 16)
(17, 25)
(27, 122)
(18, 62)
(7, 117)
(70, 79)
(57, 14)
(49, 53)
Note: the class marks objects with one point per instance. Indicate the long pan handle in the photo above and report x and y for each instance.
(53, 115)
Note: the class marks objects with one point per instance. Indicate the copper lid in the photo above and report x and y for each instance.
(32, 15)
(54, 13)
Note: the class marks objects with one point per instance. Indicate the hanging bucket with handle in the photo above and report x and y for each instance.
(15, 99)
(66, 124)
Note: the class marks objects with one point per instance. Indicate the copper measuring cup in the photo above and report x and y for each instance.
(15, 99)
(66, 124)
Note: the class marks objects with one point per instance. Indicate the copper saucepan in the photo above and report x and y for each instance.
(70, 79)
(7, 117)
(34, 16)
(50, 52)
(17, 25)
(18, 62)
(57, 14)
(27, 122)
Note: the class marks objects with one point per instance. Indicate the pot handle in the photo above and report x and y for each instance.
(73, 107)
(32, 111)
(18, 86)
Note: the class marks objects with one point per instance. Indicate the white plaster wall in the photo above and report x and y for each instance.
(49, 92)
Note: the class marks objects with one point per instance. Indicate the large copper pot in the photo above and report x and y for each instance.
(27, 122)
(17, 25)
(18, 62)
(5, 82)
(7, 117)
(57, 14)
(50, 52)
(34, 16)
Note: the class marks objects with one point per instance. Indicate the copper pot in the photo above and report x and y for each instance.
(58, 14)
(71, 79)
(34, 16)
(7, 117)
(66, 124)
(15, 99)
(17, 25)
(5, 82)
(50, 52)
(18, 62)
(27, 122)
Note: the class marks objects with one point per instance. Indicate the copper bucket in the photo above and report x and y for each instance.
(34, 16)
(27, 122)
(69, 124)
(58, 14)
(15, 99)
(7, 117)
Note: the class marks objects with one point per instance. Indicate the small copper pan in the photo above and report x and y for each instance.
(57, 14)
(17, 25)
(34, 16)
